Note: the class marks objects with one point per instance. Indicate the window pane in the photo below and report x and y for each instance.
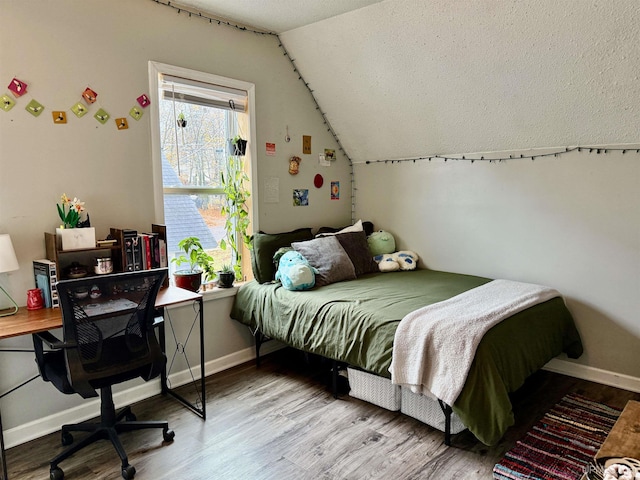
(198, 216)
(194, 143)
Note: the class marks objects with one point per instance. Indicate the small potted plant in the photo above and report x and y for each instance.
(226, 276)
(199, 262)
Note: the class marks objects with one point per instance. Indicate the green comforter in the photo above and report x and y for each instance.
(355, 322)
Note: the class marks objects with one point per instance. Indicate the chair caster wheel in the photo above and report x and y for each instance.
(56, 474)
(66, 439)
(131, 417)
(128, 472)
(168, 435)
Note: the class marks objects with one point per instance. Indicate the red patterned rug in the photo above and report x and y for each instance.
(561, 445)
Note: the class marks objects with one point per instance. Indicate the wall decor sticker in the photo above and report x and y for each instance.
(322, 160)
(270, 149)
(143, 100)
(7, 103)
(89, 95)
(59, 117)
(271, 190)
(300, 197)
(306, 144)
(79, 109)
(34, 108)
(329, 154)
(335, 190)
(135, 113)
(121, 123)
(102, 116)
(17, 87)
(294, 165)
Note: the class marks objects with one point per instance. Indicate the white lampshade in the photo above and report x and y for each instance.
(8, 260)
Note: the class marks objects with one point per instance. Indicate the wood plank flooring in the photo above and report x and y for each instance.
(281, 422)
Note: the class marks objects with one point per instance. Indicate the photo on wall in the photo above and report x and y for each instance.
(300, 197)
(335, 190)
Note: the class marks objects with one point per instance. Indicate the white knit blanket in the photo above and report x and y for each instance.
(434, 346)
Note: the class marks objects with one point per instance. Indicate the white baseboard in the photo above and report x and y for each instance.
(91, 409)
(584, 372)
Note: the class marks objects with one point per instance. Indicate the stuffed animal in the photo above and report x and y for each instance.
(381, 242)
(295, 273)
(392, 262)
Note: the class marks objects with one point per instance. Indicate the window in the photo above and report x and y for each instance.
(194, 118)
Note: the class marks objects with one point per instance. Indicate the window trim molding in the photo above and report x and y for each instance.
(157, 68)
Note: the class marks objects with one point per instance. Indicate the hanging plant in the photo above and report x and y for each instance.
(234, 182)
(238, 146)
(181, 121)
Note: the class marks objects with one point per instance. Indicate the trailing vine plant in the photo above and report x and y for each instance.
(234, 184)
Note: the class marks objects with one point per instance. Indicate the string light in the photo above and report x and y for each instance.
(533, 156)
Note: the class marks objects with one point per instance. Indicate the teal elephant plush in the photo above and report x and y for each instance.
(295, 272)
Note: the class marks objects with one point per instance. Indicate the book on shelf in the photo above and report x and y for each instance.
(46, 276)
(142, 251)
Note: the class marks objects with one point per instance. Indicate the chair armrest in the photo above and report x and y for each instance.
(52, 341)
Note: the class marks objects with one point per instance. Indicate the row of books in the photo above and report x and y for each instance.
(143, 251)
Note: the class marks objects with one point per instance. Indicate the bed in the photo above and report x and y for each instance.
(354, 322)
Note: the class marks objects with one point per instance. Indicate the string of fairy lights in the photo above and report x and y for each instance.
(500, 158)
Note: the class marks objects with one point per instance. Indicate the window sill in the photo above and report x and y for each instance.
(216, 292)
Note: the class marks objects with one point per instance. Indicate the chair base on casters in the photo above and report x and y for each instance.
(111, 424)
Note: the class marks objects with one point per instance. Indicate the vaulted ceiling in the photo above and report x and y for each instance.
(409, 78)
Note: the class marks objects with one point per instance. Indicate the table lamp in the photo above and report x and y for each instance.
(8, 263)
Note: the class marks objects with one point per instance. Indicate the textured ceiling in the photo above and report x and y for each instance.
(275, 15)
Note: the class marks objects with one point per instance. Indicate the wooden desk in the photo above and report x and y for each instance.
(27, 322)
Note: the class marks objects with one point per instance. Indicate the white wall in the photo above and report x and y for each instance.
(571, 222)
(405, 78)
(59, 48)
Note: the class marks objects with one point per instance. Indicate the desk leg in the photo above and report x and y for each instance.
(5, 475)
(202, 411)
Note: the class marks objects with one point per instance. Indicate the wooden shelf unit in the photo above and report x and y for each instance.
(85, 256)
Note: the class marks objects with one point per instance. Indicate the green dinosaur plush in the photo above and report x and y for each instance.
(381, 242)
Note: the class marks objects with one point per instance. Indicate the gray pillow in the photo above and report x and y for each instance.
(327, 255)
(356, 246)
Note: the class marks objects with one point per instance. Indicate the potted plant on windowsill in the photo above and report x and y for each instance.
(226, 276)
(234, 183)
(199, 262)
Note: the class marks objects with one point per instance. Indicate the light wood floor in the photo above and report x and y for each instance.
(281, 422)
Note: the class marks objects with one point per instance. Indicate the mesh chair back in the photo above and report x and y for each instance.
(108, 319)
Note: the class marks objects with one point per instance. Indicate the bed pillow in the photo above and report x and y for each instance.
(357, 248)
(359, 225)
(265, 245)
(328, 257)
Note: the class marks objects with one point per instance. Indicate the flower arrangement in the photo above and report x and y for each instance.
(70, 211)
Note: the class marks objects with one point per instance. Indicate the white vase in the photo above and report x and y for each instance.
(76, 238)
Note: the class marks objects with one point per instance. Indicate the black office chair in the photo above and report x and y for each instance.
(108, 338)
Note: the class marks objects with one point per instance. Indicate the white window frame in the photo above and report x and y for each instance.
(155, 70)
